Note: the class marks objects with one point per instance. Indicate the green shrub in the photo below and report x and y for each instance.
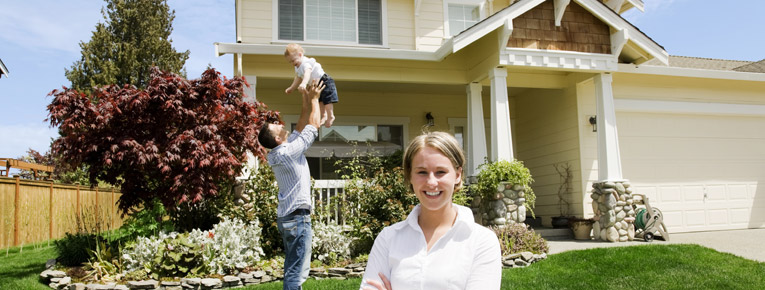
(262, 192)
(148, 221)
(74, 249)
(516, 238)
(177, 257)
(492, 173)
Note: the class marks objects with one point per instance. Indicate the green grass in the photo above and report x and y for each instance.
(640, 267)
(21, 269)
(634, 267)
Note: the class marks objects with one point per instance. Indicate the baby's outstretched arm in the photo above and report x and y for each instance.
(294, 84)
(306, 78)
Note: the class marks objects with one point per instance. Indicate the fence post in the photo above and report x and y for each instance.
(50, 213)
(97, 213)
(77, 213)
(16, 211)
(111, 216)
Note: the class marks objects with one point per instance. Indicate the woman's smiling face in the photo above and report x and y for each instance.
(433, 178)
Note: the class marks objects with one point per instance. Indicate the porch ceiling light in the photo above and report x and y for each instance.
(430, 119)
(594, 122)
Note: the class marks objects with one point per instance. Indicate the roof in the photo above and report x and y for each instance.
(755, 67)
(704, 63)
(3, 69)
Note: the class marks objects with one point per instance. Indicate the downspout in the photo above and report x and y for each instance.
(238, 56)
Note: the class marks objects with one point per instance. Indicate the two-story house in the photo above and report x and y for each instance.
(543, 81)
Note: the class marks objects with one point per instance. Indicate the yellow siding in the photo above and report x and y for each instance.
(257, 21)
(547, 134)
(400, 24)
(450, 71)
(636, 86)
(430, 25)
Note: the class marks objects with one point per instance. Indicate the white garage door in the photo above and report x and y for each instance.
(704, 172)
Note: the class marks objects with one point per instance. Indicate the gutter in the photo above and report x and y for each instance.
(690, 72)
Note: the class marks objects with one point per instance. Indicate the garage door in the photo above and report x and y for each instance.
(705, 172)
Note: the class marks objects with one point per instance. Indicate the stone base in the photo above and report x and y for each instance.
(614, 212)
(504, 208)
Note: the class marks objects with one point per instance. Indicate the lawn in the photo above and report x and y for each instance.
(635, 267)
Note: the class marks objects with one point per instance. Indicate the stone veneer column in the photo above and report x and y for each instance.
(504, 208)
(614, 212)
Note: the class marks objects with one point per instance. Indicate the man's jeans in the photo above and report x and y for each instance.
(296, 236)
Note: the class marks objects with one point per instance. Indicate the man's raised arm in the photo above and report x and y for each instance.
(310, 113)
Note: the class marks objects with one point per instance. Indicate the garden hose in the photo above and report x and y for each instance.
(640, 219)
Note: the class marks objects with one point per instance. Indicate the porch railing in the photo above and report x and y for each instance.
(329, 199)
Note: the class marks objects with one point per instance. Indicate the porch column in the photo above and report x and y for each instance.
(609, 161)
(249, 93)
(501, 144)
(610, 194)
(476, 134)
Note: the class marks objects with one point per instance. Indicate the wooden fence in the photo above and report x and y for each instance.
(33, 211)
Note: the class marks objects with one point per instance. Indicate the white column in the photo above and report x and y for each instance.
(501, 143)
(249, 93)
(609, 161)
(476, 134)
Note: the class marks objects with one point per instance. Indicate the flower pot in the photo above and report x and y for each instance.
(559, 222)
(582, 229)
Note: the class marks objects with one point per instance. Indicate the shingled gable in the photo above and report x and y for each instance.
(629, 43)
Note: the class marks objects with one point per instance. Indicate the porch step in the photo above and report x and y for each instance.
(554, 234)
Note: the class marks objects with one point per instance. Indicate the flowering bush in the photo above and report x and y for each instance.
(230, 246)
(516, 238)
(329, 245)
(138, 255)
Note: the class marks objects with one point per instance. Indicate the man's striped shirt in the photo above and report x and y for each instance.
(291, 170)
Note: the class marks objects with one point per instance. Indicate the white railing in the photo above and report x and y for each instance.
(328, 199)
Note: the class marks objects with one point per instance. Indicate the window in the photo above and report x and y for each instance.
(339, 21)
(462, 16)
(379, 140)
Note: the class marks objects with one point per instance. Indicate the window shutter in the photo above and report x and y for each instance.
(370, 21)
(291, 19)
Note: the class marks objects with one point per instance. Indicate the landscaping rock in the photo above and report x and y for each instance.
(147, 284)
(338, 271)
(77, 286)
(123, 287)
(50, 263)
(527, 256)
(212, 283)
(258, 274)
(612, 234)
(99, 287)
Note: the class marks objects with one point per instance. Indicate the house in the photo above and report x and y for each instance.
(543, 81)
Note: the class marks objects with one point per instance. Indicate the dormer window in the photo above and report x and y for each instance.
(331, 21)
(460, 15)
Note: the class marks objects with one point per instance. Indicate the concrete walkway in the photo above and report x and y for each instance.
(749, 243)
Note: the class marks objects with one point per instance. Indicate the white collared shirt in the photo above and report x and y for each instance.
(466, 257)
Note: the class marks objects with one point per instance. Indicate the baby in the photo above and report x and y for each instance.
(307, 69)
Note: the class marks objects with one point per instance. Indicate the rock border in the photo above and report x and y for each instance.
(58, 279)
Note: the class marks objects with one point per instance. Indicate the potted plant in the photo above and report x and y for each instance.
(564, 190)
(581, 227)
(504, 181)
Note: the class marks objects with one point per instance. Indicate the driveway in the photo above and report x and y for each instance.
(749, 243)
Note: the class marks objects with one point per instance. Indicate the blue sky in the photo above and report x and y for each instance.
(40, 38)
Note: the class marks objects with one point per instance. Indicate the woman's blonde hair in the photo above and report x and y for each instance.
(441, 141)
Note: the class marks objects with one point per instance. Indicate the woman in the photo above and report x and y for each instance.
(438, 246)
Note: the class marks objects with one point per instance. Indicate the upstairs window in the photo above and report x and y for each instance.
(462, 16)
(332, 21)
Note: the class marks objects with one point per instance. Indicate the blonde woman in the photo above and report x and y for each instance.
(439, 245)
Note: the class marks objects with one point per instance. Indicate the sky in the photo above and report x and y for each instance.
(39, 39)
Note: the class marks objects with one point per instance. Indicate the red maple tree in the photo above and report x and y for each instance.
(177, 140)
